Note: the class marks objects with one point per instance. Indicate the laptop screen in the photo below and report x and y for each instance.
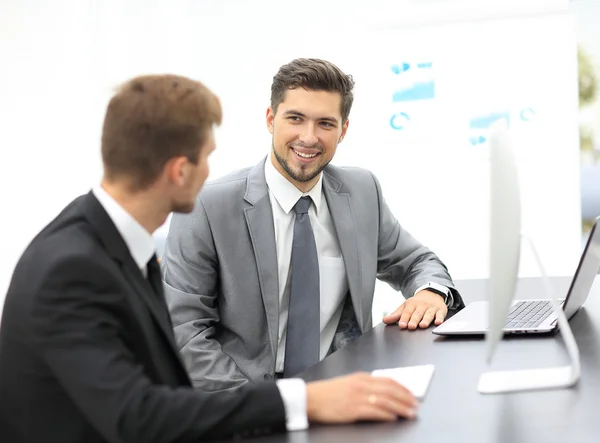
(585, 274)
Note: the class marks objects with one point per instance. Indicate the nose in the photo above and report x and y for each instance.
(308, 137)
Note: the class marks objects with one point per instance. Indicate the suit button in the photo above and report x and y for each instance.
(268, 377)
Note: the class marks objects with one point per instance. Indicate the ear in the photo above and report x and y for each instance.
(344, 129)
(177, 170)
(270, 119)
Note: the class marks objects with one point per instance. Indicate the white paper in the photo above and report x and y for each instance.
(415, 378)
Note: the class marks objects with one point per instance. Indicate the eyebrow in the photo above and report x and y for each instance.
(299, 114)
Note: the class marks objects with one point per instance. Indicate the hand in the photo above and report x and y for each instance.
(357, 397)
(421, 309)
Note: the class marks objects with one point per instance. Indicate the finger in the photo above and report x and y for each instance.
(416, 318)
(390, 405)
(398, 409)
(428, 317)
(372, 412)
(406, 315)
(394, 316)
(440, 316)
(387, 387)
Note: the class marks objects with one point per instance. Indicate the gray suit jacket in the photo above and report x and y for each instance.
(220, 271)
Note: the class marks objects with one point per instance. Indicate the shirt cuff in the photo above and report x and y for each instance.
(293, 393)
(449, 299)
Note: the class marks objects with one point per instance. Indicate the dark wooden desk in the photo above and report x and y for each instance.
(453, 410)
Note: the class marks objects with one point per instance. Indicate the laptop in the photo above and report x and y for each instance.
(533, 316)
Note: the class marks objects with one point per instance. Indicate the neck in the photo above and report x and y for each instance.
(144, 206)
(306, 186)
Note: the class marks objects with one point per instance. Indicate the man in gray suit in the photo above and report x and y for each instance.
(276, 266)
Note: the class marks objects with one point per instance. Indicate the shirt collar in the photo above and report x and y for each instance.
(286, 194)
(139, 241)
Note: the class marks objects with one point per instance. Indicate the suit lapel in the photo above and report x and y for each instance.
(259, 218)
(154, 302)
(118, 250)
(343, 220)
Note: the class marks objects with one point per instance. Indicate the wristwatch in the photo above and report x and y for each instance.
(442, 290)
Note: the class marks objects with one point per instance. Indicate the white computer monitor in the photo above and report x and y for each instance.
(505, 231)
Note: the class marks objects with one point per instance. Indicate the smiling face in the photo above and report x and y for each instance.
(306, 129)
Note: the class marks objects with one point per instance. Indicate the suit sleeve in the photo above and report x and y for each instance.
(403, 262)
(78, 327)
(191, 276)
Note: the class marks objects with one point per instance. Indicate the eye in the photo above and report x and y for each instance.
(294, 118)
(328, 124)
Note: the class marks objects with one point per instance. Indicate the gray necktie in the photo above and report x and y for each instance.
(303, 328)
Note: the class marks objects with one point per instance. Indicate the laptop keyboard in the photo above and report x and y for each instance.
(528, 314)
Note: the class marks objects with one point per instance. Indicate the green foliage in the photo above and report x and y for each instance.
(588, 87)
(588, 83)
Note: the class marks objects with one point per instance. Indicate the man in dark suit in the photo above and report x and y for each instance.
(87, 352)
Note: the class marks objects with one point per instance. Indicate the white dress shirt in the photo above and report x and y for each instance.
(332, 273)
(142, 247)
(139, 241)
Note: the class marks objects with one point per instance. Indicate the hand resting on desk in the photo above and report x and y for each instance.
(419, 310)
(358, 397)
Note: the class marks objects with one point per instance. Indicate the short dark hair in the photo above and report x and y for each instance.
(152, 119)
(316, 75)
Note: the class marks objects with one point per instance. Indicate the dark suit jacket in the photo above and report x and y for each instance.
(87, 351)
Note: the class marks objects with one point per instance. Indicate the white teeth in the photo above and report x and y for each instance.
(303, 155)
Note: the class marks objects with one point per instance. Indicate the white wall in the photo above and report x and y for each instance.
(61, 59)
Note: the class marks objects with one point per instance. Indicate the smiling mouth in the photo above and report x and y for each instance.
(305, 155)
